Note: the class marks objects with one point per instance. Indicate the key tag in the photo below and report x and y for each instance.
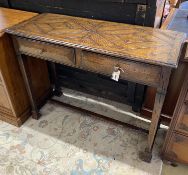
(116, 73)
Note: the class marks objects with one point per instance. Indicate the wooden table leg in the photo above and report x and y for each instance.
(146, 155)
(29, 87)
(56, 87)
(28, 83)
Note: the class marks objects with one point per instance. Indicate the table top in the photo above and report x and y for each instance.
(145, 44)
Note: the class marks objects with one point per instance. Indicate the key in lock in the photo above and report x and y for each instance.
(116, 73)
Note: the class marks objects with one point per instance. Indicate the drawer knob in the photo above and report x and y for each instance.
(116, 73)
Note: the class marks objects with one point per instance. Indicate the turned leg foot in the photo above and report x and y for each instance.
(54, 80)
(36, 115)
(145, 156)
(171, 163)
(57, 92)
(174, 164)
(29, 86)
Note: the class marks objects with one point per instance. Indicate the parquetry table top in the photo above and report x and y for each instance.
(145, 44)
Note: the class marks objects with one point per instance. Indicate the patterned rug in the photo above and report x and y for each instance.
(66, 141)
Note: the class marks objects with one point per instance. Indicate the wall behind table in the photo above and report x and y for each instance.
(126, 11)
(4, 3)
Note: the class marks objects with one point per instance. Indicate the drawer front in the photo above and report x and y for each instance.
(182, 124)
(4, 102)
(177, 149)
(139, 72)
(59, 54)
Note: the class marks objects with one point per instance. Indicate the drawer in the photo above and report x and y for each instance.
(182, 124)
(177, 148)
(139, 72)
(4, 102)
(51, 52)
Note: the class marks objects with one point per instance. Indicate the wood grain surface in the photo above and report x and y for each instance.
(10, 17)
(127, 41)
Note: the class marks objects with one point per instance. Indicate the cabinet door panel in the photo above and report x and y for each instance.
(177, 149)
(4, 102)
(182, 124)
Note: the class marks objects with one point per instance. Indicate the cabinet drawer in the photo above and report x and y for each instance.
(140, 72)
(182, 124)
(177, 149)
(4, 102)
(60, 54)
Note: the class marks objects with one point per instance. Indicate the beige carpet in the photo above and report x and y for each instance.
(170, 170)
(69, 142)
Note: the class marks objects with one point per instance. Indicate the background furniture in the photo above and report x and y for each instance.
(176, 142)
(14, 100)
(140, 12)
(175, 82)
(4, 3)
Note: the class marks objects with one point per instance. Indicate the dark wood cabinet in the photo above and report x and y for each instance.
(177, 149)
(139, 12)
(176, 142)
(4, 3)
(176, 21)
